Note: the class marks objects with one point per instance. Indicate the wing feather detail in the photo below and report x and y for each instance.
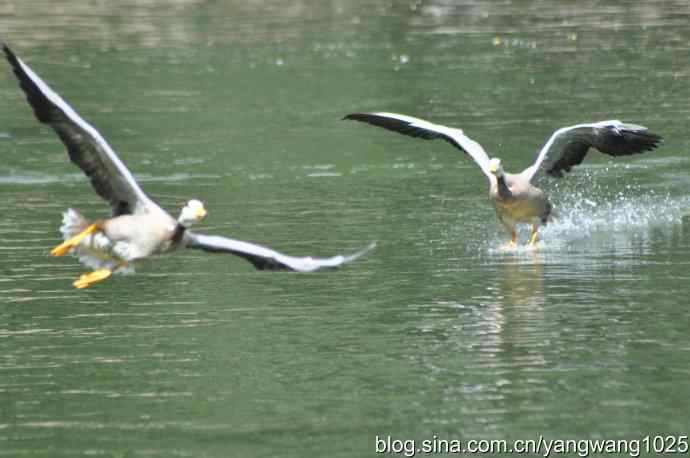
(419, 128)
(568, 146)
(264, 258)
(87, 149)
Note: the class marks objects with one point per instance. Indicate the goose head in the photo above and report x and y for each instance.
(192, 213)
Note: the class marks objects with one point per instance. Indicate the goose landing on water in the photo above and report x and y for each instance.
(515, 198)
(139, 227)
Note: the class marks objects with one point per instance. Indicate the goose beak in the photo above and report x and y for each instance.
(201, 213)
(493, 168)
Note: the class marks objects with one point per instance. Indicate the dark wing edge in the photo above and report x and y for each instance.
(419, 128)
(568, 147)
(264, 258)
(87, 149)
(403, 125)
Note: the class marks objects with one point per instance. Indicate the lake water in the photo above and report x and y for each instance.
(437, 332)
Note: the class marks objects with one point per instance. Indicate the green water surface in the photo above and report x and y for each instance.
(438, 332)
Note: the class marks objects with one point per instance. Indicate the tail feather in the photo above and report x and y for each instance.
(72, 224)
(95, 250)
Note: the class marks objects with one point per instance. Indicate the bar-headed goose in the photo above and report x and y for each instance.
(515, 198)
(138, 227)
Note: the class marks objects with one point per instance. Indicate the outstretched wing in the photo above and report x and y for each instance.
(419, 128)
(265, 258)
(568, 146)
(87, 148)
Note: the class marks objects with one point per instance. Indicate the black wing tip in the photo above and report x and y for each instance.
(13, 60)
(654, 139)
(359, 116)
(626, 142)
(34, 95)
(620, 139)
(9, 55)
(640, 141)
(376, 119)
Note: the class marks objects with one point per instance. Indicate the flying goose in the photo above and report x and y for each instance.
(515, 198)
(138, 227)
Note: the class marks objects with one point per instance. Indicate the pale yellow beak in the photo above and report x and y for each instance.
(493, 168)
(201, 213)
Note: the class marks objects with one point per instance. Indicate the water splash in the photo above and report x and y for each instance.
(590, 213)
(591, 207)
(586, 217)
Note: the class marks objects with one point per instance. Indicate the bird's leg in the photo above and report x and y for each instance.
(513, 239)
(535, 236)
(90, 278)
(97, 275)
(512, 243)
(67, 245)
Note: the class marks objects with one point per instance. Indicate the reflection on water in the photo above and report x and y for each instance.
(438, 332)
